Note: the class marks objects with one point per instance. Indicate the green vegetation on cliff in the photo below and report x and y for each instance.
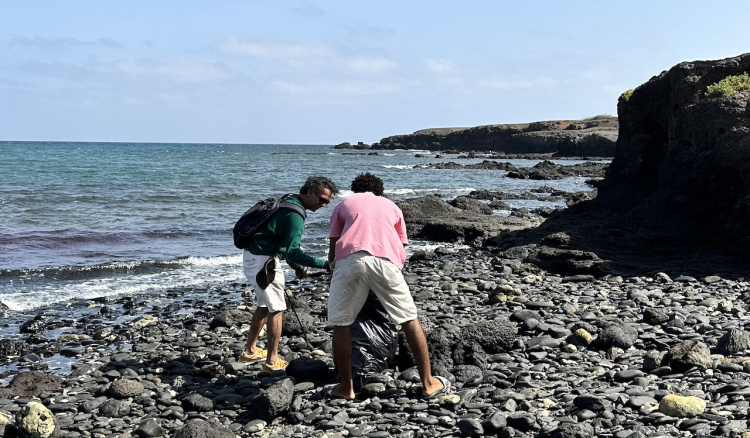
(729, 86)
(626, 95)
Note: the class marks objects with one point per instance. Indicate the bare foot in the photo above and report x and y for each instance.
(435, 386)
(337, 392)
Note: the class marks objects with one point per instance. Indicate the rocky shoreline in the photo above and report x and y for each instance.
(530, 353)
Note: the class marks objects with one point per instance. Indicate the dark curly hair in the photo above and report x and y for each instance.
(315, 184)
(367, 182)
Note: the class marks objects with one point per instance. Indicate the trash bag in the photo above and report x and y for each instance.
(374, 340)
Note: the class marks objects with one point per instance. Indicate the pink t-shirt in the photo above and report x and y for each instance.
(365, 222)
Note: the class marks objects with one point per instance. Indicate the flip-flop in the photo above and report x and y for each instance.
(445, 389)
(328, 393)
(266, 275)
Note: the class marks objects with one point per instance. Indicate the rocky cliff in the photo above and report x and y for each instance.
(594, 137)
(677, 193)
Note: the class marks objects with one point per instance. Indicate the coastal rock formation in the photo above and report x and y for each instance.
(431, 218)
(677, 193)
(594, 137)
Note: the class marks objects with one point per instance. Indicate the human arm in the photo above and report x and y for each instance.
(293, 226)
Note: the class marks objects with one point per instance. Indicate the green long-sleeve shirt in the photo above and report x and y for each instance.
(285, 232)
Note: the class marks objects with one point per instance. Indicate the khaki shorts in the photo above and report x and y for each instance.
(271, 297)
(354, 276)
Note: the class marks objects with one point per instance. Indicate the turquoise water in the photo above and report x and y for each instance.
(84, 220)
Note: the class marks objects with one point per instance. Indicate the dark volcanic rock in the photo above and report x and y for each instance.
(202, 429)
(9, 347)
(471, 344)
(273, 402)
(232, 317)
(568, 138)
(734, 341)
(431, 218)
(305, 369)
(677, 194)
(688, 354)
(547, 170)
(30, 384)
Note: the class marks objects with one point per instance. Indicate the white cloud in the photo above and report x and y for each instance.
(178, 70)
(439, 65)
(372, 65)
(277, 50)
(38, 42)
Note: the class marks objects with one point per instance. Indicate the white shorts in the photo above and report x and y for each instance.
(354, 276)
(271, 297)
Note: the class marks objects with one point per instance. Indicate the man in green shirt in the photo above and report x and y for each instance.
(279, 237)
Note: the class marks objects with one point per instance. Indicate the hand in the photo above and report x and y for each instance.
(327, 266)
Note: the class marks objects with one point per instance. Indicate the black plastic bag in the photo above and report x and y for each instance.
(374, 340)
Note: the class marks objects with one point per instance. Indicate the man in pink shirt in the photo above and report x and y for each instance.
(368, 235)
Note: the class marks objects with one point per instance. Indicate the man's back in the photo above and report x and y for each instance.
(365, 222)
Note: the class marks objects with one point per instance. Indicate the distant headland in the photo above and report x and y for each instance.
(592, 137)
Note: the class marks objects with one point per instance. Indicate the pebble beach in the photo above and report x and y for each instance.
(582, 357)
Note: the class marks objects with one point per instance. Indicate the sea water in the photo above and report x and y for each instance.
(85, 220)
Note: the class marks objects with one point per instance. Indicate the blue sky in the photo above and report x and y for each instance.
(324, 72)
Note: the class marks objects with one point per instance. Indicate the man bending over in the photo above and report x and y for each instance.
(368, 235)
(279, 237)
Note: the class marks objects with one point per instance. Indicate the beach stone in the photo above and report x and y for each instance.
(470, 427)
(37, 421)
(125, 388)
(305, 369)
(31, 384)
(149, 428)
(495, 422)
(273, 402)
(617, 335)
(592, 403)
(143, 322)
(9, 347)
(688, 354)
(655, 315)
(652, 360)
(573, 430)
(198, 428)
(734, 341)
(231, 318)
(682, 407)
(115, 408)
(197, 402)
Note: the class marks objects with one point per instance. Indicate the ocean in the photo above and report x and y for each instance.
(82, 221)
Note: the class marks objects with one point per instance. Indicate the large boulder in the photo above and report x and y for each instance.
(471, 344)
(432, 218)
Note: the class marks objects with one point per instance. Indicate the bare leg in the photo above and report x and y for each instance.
(342, 355)
(418, 345)
(273, 328)
(256, 325)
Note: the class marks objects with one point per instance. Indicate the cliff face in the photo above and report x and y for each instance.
(596, 137)
(683, 157)
(676, 196)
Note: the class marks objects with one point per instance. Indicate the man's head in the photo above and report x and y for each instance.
(367, 182)
(317, 192)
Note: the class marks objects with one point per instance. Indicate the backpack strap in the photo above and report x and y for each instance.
(290, 206)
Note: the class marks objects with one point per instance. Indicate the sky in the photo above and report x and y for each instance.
(326, 72)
